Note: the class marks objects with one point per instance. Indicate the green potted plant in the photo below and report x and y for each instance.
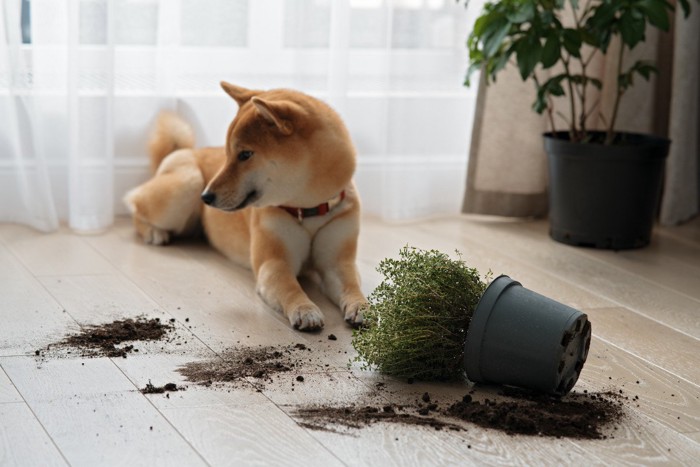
(604, 185)
(435, 318)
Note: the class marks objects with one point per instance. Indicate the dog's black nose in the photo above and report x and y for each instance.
(208, 197)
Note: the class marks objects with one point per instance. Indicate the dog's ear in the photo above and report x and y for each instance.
(239, 94)
(278, 113)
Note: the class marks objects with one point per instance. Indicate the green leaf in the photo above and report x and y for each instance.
(523, 14)
(551, 87)
(624, 81)
(498, 63)
(644, 68)
(573, 40)
(631, 28)
(528, 52)
(473, 67)
(656, 12)
(685, 5)
(540, 104)
(551, 51)
(494, 34)
(480, 23)
(603, 16)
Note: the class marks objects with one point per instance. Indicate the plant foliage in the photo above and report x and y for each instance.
(417, 321)
(533, 35)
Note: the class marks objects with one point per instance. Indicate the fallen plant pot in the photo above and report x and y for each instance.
(434, 318)
(521, 338)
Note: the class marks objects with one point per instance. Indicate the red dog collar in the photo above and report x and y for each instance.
(320, 210)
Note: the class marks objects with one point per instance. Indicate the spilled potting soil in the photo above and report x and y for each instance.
(153, 389)
(105, 340)
(257, 362)
(329, 418)
(577, 415)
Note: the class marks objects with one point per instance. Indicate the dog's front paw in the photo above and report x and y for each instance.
(353, 312)
(306, 318)
(157, 236)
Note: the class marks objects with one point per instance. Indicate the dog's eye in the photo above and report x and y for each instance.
(245, 155)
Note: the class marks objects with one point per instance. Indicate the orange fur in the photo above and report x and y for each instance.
(283, 148)
(169, 134)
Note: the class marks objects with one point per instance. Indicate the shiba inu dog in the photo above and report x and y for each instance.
(278, 198)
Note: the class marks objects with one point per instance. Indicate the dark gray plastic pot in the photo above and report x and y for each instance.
(604, 196)
(521, 338)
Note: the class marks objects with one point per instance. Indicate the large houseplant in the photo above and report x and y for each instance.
(604, 184)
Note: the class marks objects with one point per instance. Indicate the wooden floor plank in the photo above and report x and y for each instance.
(31, 318)
(95, 415)
(640, 441)
(53, 254)
(655, 264)
(8, 392)
(648, 390)
(101, 298)
(688, 232)
(257, 434)
(23, 441)
(660, 345)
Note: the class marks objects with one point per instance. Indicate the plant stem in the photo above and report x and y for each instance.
(550, 107)
(584, 86)
(611, 133)
(572, 129)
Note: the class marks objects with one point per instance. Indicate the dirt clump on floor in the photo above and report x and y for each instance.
(107, 339)
(577, 415)
(153, 389)
(257, 362)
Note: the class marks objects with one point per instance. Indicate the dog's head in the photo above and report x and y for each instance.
(274, 152)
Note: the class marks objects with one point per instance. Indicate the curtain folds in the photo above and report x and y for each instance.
(82, 80)
(25, 191)
(507, 173)
(681, 200)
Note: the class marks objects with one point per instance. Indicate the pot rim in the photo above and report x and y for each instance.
(477, 326)
(639, 138)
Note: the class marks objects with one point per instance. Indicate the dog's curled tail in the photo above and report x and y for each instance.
(170, 133)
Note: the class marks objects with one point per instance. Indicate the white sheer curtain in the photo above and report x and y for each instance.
(81, 80)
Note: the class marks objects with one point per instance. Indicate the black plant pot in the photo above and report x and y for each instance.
(604, 196)
(521, 338)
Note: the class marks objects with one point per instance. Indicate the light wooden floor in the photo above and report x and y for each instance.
(644, 306)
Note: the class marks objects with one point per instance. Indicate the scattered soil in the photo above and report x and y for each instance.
(169, 387)
(516, 412)
(326, 418)
(579, 416)
(257, 362)
(102, 340)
